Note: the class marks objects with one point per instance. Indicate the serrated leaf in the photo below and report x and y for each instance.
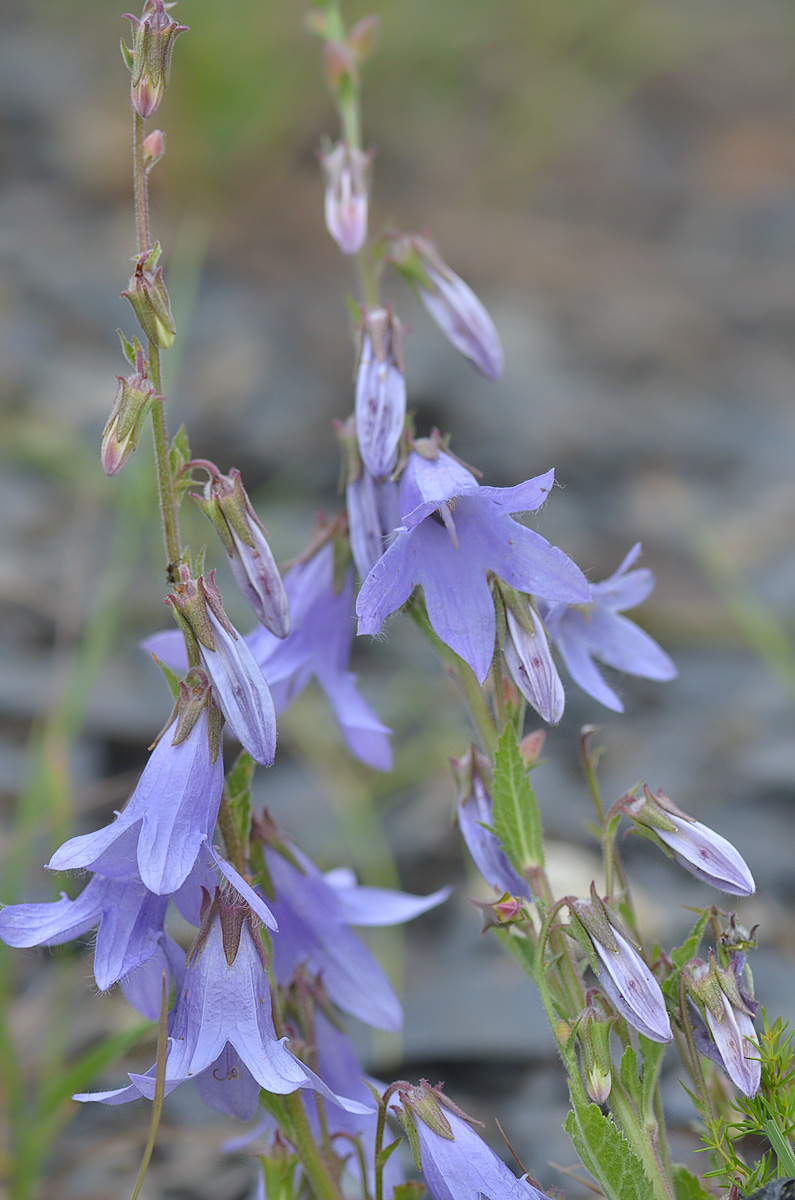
(687, 1186)
(607, 1154)
(517, 821)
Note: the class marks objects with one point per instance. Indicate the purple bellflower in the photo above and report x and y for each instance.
(453, 534)
(315, 913)
(346, 170)
(371, 503)
(380, 408)
(239, 688)
(725, 1034)
(696, 847)
(451, 303)
(222, 1022)
(583, 632)
(130, 920)
(529, 660)
(456, 1163)
(623, 975)
(475, 820)
(170, 814)
(225, 502)
(319, 644)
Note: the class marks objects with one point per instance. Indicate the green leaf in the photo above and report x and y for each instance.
(629, 1075)
(409, 1191)
(238, 782)
(607, 1154)
(517, 822)
(681, 955)
(687, 1186)
(652, 1054)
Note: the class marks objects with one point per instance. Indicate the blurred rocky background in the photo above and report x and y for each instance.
(616, 179)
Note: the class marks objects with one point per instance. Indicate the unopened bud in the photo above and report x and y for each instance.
(723, 1022)
(347, 173)
(149, 299)
(593, 1036)
(120, 435)
(226, 503)
(531, 747)
(598, 1084)
(529, 657)
(154, 148)
(149, 61)
(380, 408)
(453, 305)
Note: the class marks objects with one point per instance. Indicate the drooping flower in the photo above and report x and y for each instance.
(456, 1163)
(347, 182)
(627, 981)
(371, 504)
(170, 814)
(315, 913)
(725, 1033)
(239, 687)
(453, 534)
(130, 920)
(149, 60)
(595, 629)
(475, 820)
(225, 502)
(695, 847)
(529, 660)
(451, 303)
(380, 407)
(319, 644)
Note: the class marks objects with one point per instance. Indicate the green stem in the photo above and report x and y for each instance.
(233, 844)
(323, 1184)
(473, 693)
(643, 1140)
(140, 185)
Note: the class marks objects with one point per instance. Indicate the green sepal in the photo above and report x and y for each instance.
(278, 1173)
(169, 676)
(517, 821)
(200, 560)
(407, 1121)
(383, 1155)
(126, 54)
(129, 348)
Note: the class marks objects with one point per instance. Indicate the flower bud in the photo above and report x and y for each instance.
(372, 504)
(149, 60)
(120, 436)
(380, 408)
(529, 658)
(347, 173)
(149, 299)
(453, 305)
(227, 505)
(695, 847)
(593, 1035)
(475, 820)
(627, 981)
(239, 686)
(154, 148)
(723, 1022)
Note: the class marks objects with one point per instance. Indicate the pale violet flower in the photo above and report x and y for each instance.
(725, 1033)
(346, 170)
(696, 847)
(529, 660)
(453, 534)
(595, 629)
(380, 407)
(372, 515)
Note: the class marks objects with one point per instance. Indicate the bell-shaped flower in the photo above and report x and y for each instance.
(456, 1163)
(529, 660)
(380, 407)
(130, 920)
(347, 183)
(315, 913)
(239, 687)
(475, 820)
(695, 847)
(225, 502)
(623, 975)
(372, 504)
(725, 1033)
(451, 303)
(453, 534)
(170, 814)
(319, 644)
(583, 632)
